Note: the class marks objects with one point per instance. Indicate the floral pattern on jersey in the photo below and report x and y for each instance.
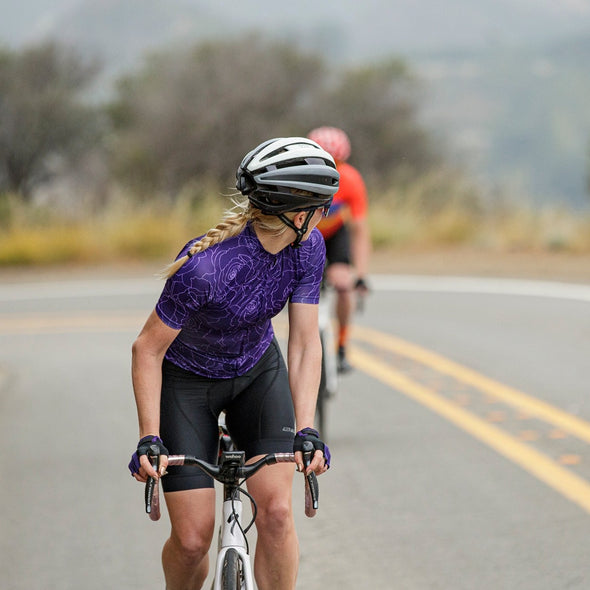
(223, 300)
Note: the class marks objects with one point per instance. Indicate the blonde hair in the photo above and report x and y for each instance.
(233, 222)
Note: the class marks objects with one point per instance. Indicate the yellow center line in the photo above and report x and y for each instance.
(554, 475)
(517, 399)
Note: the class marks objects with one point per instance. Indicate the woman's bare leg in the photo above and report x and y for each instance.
(277, 549)
(185, 556)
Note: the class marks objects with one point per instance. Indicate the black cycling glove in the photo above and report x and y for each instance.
(143, 446)
(313, 436)
(361, 285)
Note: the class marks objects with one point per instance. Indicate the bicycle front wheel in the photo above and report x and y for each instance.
(231, 574)
(328, 380)
(320, 411)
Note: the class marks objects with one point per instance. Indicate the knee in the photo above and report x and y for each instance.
(340, 278)
(275, 519)
(344, 285)
(191, 546)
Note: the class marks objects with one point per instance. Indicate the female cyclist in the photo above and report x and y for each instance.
(209, 347)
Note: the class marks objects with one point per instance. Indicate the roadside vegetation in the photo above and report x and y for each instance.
(127, 231)
(136, 175)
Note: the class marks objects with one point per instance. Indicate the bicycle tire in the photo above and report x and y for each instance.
(324, 391)
(231, 573)
(320, 415)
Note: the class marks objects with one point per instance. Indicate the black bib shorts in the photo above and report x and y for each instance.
(338, 247)
(258, 408)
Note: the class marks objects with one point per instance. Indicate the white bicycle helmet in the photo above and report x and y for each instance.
(272, 174)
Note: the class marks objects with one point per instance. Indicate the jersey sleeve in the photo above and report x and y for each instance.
(183, 293)
(312, 261)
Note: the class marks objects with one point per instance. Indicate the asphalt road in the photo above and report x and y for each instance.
(460, 441)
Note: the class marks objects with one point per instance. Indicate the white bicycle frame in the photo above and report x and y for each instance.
(231, 536)
(328, 342)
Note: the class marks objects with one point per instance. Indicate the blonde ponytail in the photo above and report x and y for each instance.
(229, 227)
(234, 221)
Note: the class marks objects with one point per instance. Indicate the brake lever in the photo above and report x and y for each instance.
(312, 489)
(152, 495)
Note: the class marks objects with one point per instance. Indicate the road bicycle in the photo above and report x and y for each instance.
(233, 568)
(329, 377)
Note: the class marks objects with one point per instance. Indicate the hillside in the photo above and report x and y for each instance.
(505, 81)
(517, 115)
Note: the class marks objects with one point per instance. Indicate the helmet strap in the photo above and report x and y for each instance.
(300, 231)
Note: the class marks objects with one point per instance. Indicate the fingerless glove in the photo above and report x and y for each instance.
(313, 436)
(143, 447)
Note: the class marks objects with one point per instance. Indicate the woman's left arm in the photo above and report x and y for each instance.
(304, 357)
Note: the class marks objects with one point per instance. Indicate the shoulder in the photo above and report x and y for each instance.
(215, 255)
(349, 174)
(352, 190)
(308, 251)
(313, 250)
(198, 271)
(316, 241)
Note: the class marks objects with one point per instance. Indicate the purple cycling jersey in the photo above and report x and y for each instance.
(223, 299)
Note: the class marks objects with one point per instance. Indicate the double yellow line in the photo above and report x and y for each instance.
(570, 485)
(541, 466)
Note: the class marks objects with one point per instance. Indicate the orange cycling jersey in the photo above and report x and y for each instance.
(350, 202)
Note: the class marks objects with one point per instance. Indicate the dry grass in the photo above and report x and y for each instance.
(131, 231)
(403, 219)
(125, 232)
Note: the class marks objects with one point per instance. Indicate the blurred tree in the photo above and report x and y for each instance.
(378, 107)
(194, 114)
(42, 114)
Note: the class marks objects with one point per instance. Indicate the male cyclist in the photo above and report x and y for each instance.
(346, 232)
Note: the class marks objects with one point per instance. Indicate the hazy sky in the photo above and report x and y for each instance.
(409, 23)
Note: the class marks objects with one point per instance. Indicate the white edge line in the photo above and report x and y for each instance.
(79, 289)
(378, 282)
(482, 286)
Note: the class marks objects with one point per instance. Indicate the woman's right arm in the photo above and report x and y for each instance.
(148, 353)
